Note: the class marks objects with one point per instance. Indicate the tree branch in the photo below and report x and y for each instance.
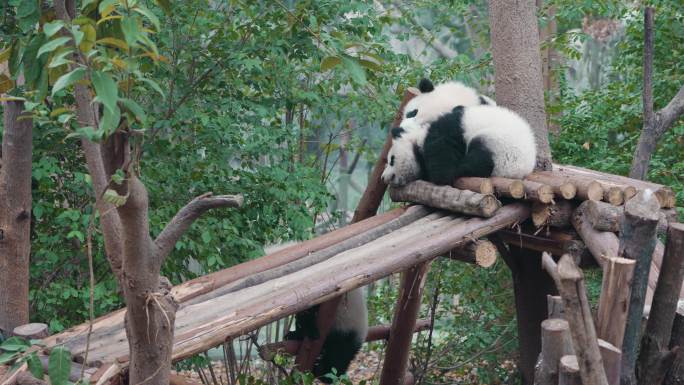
(666, 117)
(187, 215)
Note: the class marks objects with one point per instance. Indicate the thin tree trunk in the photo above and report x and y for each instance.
(517, 64)
(15, 216)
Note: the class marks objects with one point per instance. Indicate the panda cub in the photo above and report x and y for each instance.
(444, 136)
(345, 339)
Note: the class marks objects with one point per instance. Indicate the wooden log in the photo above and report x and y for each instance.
(637, 241)
(614, 299)
(569, 371)
(562, 187)
(556, 342)
(403, 324)
(447, 198)
(411, 215)
(481, 252)
(613, 195)
(612, 361)
(570, 282)
(655, 356)
(555, 305)
(509, 188)
(601, 244)
(538, 192)
(556, 246)
(372, 196)
(554, 215)
(32, 331)
(606, 217)
(375, 333)
(480, 185)
(675, 376)
(26, 378)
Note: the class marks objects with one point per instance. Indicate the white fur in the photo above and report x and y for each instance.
(507, 135)
(430, 105)
(352, 314)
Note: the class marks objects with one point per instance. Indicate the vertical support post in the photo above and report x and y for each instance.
(531, 286)
(367, 207)
(403, 323)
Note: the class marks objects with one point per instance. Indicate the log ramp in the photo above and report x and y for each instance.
(575, 212)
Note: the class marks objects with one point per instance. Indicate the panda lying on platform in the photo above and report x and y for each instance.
(351, 320)
(441, 138)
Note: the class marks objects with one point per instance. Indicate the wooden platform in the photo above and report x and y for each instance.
(209, 323)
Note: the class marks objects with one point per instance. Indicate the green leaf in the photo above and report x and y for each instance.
(106, 7)
(31, 60)
(6, 83)
(154, 86)
(28, 13)
(135, 109)
(118, 176)
(106, 89)
(355, 70)
(130, 29)
(110, 120)
(86, 132)
(15, 344)
(68, 79)
(53, 27)
(35, 366)
(118, 43)
(371, 65)
(61, 58)
(8, 357)
(330, 62)
(149, 15)
(77, 33)
(90, 35)
(59, 365)
(52, 45)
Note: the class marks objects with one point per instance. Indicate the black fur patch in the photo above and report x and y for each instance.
(411, 114)
(483, 101)
(305, 325)
(444, 148)
(478, 161)
(418, 154)
(337, 352)
(396, 132)
(425, 86)
(391, 160)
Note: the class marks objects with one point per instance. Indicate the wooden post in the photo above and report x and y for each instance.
(612, 361)
(556, 343)
(531, 286)
(614, 299)
(637, 241)
(555, 305)
(570, 281)
(403, 324)
(655, 357)
(569, 371)
(675, 375)
(367, 207)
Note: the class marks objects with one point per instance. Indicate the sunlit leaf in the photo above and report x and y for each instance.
(118, 43)
(77, 34)
(106, 7)
(53, 27)
(105, 88)
(58, 111)
(373, 66)
(330, 62)
(52, 45)
(5, 54)
(6, 83)
(111, 17)
(68, 79)
(89, 38)
(59, 365)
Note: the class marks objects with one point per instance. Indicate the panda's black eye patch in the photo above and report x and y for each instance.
(392, 160)
(396, 132)
(412, 114)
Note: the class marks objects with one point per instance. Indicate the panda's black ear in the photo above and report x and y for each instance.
(425, 86)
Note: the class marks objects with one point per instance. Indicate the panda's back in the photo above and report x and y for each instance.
(507, 135)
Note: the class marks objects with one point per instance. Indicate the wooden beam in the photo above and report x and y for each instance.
(447, 198)
(481, 252)
(403, 324)
(614, 299)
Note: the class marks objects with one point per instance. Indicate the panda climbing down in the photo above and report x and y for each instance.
(349, 331)
(439, 141)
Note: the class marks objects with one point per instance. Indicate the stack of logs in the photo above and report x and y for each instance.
(576, 214)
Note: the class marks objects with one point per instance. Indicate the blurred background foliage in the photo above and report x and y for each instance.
(288, 102)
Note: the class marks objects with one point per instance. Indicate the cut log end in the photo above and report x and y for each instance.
(31, 331)
(481, 252)
(594, 191)
(614, 195)
(569, 371)
(568, 190)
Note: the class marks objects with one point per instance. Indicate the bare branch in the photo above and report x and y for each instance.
(666, 117)
(187, 215)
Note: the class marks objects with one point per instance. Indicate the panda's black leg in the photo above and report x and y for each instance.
(305, 325)
(478, 160)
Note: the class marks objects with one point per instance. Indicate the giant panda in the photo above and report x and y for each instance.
(439, 142)
(347, 335)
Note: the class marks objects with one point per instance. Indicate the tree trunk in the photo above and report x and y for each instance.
(15, 216)
(517, 64)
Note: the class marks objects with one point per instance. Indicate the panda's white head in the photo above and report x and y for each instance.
(404, 158)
